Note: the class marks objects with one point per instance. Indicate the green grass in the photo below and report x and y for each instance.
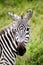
(34, 53)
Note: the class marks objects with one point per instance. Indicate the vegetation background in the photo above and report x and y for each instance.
(34, 53)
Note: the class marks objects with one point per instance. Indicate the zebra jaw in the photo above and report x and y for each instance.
(16, 17)
(20, 48)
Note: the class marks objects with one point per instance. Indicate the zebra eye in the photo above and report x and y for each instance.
(27, 29)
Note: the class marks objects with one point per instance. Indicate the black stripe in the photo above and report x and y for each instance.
(0, 50)
(3, 59)
(1, 62)
(9, 44)
(11, 40)
(16, 42)
(27, 33)
(8, 58)
(11, 34)
(27, 37)
(25, 41)
(8, 54)
(6, 45)
(5, 54)
(4, 49)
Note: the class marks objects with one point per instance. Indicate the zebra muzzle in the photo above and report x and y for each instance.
(21, 49)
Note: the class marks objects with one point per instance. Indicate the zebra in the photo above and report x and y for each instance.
(14, 38)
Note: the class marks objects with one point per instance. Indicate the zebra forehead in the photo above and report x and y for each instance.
(22, 21)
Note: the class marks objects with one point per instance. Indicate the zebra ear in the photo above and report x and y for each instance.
(13, 16)
(29, 14)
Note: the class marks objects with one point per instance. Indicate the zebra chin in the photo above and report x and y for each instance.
(21, 49)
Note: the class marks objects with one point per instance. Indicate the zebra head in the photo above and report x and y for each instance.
(21, 28)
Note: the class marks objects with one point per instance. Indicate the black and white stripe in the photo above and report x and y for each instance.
(8, 45)
(11, 37)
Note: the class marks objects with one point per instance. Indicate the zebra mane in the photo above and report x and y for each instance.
(1, 32)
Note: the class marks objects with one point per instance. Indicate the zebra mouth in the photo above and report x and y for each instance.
(21, 49)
